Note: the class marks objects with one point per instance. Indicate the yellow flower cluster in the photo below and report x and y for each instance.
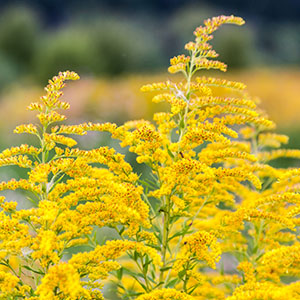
(197, 246)
(167, 294)
(9, 287)
(208, 199)
(72, 194)
(61, 282)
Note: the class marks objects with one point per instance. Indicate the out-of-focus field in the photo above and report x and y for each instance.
(118, 100)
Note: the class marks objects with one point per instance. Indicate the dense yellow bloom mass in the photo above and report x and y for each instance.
(167, 294)
(62, 277)
(208, 199)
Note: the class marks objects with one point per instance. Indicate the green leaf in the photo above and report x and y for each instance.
(134, 294)
(259, 256)
(34, 271)
(145, 183)
(181, 124)
(135, 255)
(156, 247)
(181, 274)
(193, 288)
(143, 285)
(222, 268)
(120, 286)
(120, 273)
(153, 274)
(152, 280)
(169, 152)
(172, 283)
(147, 263)
(165, 269)
(121, 230)
(181, 233)
(159, 284)
(254, 250)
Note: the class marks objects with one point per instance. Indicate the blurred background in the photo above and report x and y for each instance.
(118, 45)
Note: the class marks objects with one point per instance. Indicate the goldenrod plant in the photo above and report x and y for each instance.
(211, 219)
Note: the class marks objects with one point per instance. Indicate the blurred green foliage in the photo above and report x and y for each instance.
(18, 34)
(65, 49)
(236, 47)
(105, 44)
(286, 40)
(101, 46)
(8, 70)
(120, 47)
(294, 143)
(106, 47)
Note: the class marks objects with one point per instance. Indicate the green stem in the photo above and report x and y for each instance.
(165, 237)
(141, 268)
(145, 198)
(182, 130)
(6, 263)
(186, 279)
(144, 272)
(125, 291)
(182, 236)
(183, 117)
